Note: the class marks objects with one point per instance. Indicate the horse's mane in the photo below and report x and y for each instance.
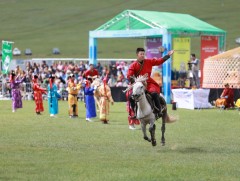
(141, 78)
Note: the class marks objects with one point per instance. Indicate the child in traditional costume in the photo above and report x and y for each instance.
(89, 101)
(15, 82)
(38, 92)
(73, 90)
(105, 98)
(53, 97)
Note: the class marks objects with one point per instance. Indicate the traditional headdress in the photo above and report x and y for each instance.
(12, 74)
(35, 78)
(87, 83)
(51, 79)
(105, 79)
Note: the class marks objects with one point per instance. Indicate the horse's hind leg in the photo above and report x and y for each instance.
(163, 129)
(152, 132)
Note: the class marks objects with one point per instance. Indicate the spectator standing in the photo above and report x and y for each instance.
(112, 82)
(53, 97)
(89, 101)
(81, 67)
(195, 70)
(60, 66)
(113, 70)
(18, 70)
(105, 98)
(105, 72)
(125, 68)
(15, 82)
(91, 74)
(44, 64)
(38, 92)
(99, 68)
(73, 90)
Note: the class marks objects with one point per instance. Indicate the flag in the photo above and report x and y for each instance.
(6, 56)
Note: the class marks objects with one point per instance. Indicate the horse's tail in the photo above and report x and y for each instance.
(170, 119)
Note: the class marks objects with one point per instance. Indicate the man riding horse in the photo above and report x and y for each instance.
(144, 66)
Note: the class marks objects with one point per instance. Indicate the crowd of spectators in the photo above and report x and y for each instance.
(116, 72)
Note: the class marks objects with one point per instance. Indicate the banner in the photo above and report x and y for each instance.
(152, 46)
(6, 56)
(209, 47)
(181, 47)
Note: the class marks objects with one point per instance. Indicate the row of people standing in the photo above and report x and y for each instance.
(101, 91)
(38, 91)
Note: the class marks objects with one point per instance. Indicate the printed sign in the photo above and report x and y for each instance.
(209, 47)
(181, 47)
(152, 46)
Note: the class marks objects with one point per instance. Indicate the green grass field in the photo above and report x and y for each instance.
(43, 25)
(201, 145)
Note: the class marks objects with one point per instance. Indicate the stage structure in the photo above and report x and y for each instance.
(221, 69)
(150, 24)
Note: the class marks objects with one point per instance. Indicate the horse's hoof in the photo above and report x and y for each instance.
(154, 143)
(163, 144)
(146, 138)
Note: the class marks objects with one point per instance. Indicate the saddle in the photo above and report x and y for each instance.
(151, 102)
(158, 113)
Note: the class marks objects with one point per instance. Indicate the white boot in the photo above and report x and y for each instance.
(89, 120)
(132, 127)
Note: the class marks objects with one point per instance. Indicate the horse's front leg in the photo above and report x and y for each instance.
(144, 125)
(152, 129)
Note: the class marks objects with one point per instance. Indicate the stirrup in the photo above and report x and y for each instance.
(158, 115)
(155, 110)
(163, 108)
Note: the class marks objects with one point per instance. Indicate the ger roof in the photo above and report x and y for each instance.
(230, 54)
(174, 23)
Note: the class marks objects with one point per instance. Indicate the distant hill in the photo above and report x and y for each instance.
(45, 24)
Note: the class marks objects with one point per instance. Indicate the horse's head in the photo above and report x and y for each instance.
(138, 91)
(138, 86)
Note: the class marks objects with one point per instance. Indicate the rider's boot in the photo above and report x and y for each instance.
(157, 111)
(162, 103)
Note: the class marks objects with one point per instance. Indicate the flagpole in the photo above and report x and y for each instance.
(3, 60)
